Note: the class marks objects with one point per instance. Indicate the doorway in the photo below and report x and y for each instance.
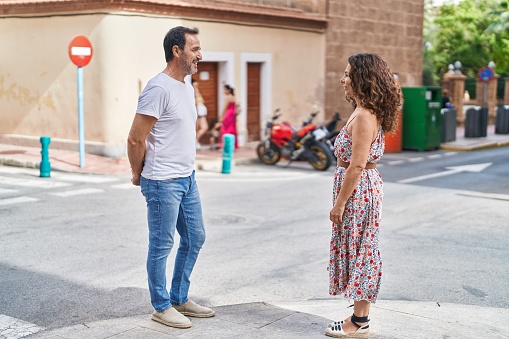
(207, 78)
(253, 100)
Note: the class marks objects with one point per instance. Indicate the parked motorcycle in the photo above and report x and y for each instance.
(283, 140)
(331, 131)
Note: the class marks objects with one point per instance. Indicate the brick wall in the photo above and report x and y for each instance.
(310, 6)
(391, 28)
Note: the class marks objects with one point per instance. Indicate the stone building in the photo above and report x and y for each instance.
(287, 54)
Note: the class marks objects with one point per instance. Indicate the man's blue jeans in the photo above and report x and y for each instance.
(173, 203)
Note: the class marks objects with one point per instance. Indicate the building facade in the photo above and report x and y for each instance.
(286, 54)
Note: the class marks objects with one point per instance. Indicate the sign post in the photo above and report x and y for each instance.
(80, 52)
(485, 75)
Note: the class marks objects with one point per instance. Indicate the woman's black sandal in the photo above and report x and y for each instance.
(336, 329)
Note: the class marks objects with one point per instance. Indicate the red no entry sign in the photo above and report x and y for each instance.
(80, 51)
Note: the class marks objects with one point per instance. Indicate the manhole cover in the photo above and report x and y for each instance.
(225, 219)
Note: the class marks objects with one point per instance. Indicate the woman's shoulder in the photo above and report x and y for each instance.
(365, 119)
(364, 114)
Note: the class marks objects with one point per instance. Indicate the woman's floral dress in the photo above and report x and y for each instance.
(355, 267)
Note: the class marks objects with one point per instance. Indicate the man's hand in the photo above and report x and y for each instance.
(135, 179)
(142, 124)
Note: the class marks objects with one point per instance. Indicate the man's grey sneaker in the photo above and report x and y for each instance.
(171, 318)
(192, 309)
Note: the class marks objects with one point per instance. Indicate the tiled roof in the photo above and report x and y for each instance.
(215, 10)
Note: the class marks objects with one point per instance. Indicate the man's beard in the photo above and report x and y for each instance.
(189, 67)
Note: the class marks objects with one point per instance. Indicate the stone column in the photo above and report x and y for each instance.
(491, 97)
(455, 84)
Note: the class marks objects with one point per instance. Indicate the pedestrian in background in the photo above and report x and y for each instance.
(161, 150)
(466, 96)
(355, 267)
(201, 123)
(215, 130)
(446, 99)
(229, 115)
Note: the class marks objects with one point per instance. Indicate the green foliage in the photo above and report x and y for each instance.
(473, 32)
(428, 78)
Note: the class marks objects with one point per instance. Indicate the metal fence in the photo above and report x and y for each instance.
(471, 87)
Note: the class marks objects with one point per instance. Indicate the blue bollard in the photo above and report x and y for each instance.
(228, 149)
(45, 166)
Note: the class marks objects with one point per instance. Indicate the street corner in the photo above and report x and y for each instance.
(248, 320)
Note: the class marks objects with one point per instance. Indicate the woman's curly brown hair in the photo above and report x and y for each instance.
(374, 86)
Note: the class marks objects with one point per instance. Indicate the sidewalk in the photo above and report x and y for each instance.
(210, 160)
(271, 320)
(69, 161)
(472, 144)
(307, 319)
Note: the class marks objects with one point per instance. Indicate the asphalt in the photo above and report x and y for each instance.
(206, 159)
(292, 319)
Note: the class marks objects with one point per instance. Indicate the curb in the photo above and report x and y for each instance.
(36, 165)
(203, 164)
(468, 149)
(503, 144)
(19, 163)
(216, 164)
(493, 144)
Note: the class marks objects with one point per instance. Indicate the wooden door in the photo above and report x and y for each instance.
(209, 91)
(253, 101)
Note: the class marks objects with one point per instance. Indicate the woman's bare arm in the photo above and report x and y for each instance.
(363, 130)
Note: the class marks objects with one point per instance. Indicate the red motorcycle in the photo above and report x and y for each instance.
(306, 143)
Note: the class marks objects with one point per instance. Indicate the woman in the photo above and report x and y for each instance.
(201, 123)
(355, 262)
(228, 122)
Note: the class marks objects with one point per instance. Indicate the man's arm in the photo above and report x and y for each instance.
(142, 124)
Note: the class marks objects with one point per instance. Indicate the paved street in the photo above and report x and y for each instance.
(73, 247)
(480, 171)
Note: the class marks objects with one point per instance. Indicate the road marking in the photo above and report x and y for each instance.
(43, 183)
(495, 196)
(16, 328)
(6, 190)
(16, 201)
(126, 185)
(450, 170)
(84, 178)
(416, 159)
(254, 176)
(448, 154)
(78, 192)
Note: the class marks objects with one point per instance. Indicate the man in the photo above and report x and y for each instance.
(446, 100)
(161, 149)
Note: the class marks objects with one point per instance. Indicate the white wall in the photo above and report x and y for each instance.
(38, 91)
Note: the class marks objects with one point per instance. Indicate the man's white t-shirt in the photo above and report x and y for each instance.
(170, 145)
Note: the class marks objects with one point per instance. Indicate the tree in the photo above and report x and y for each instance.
(501, 23)
(473, 32)
(428, 73)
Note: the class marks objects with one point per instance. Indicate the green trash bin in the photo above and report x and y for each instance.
(422, 118)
